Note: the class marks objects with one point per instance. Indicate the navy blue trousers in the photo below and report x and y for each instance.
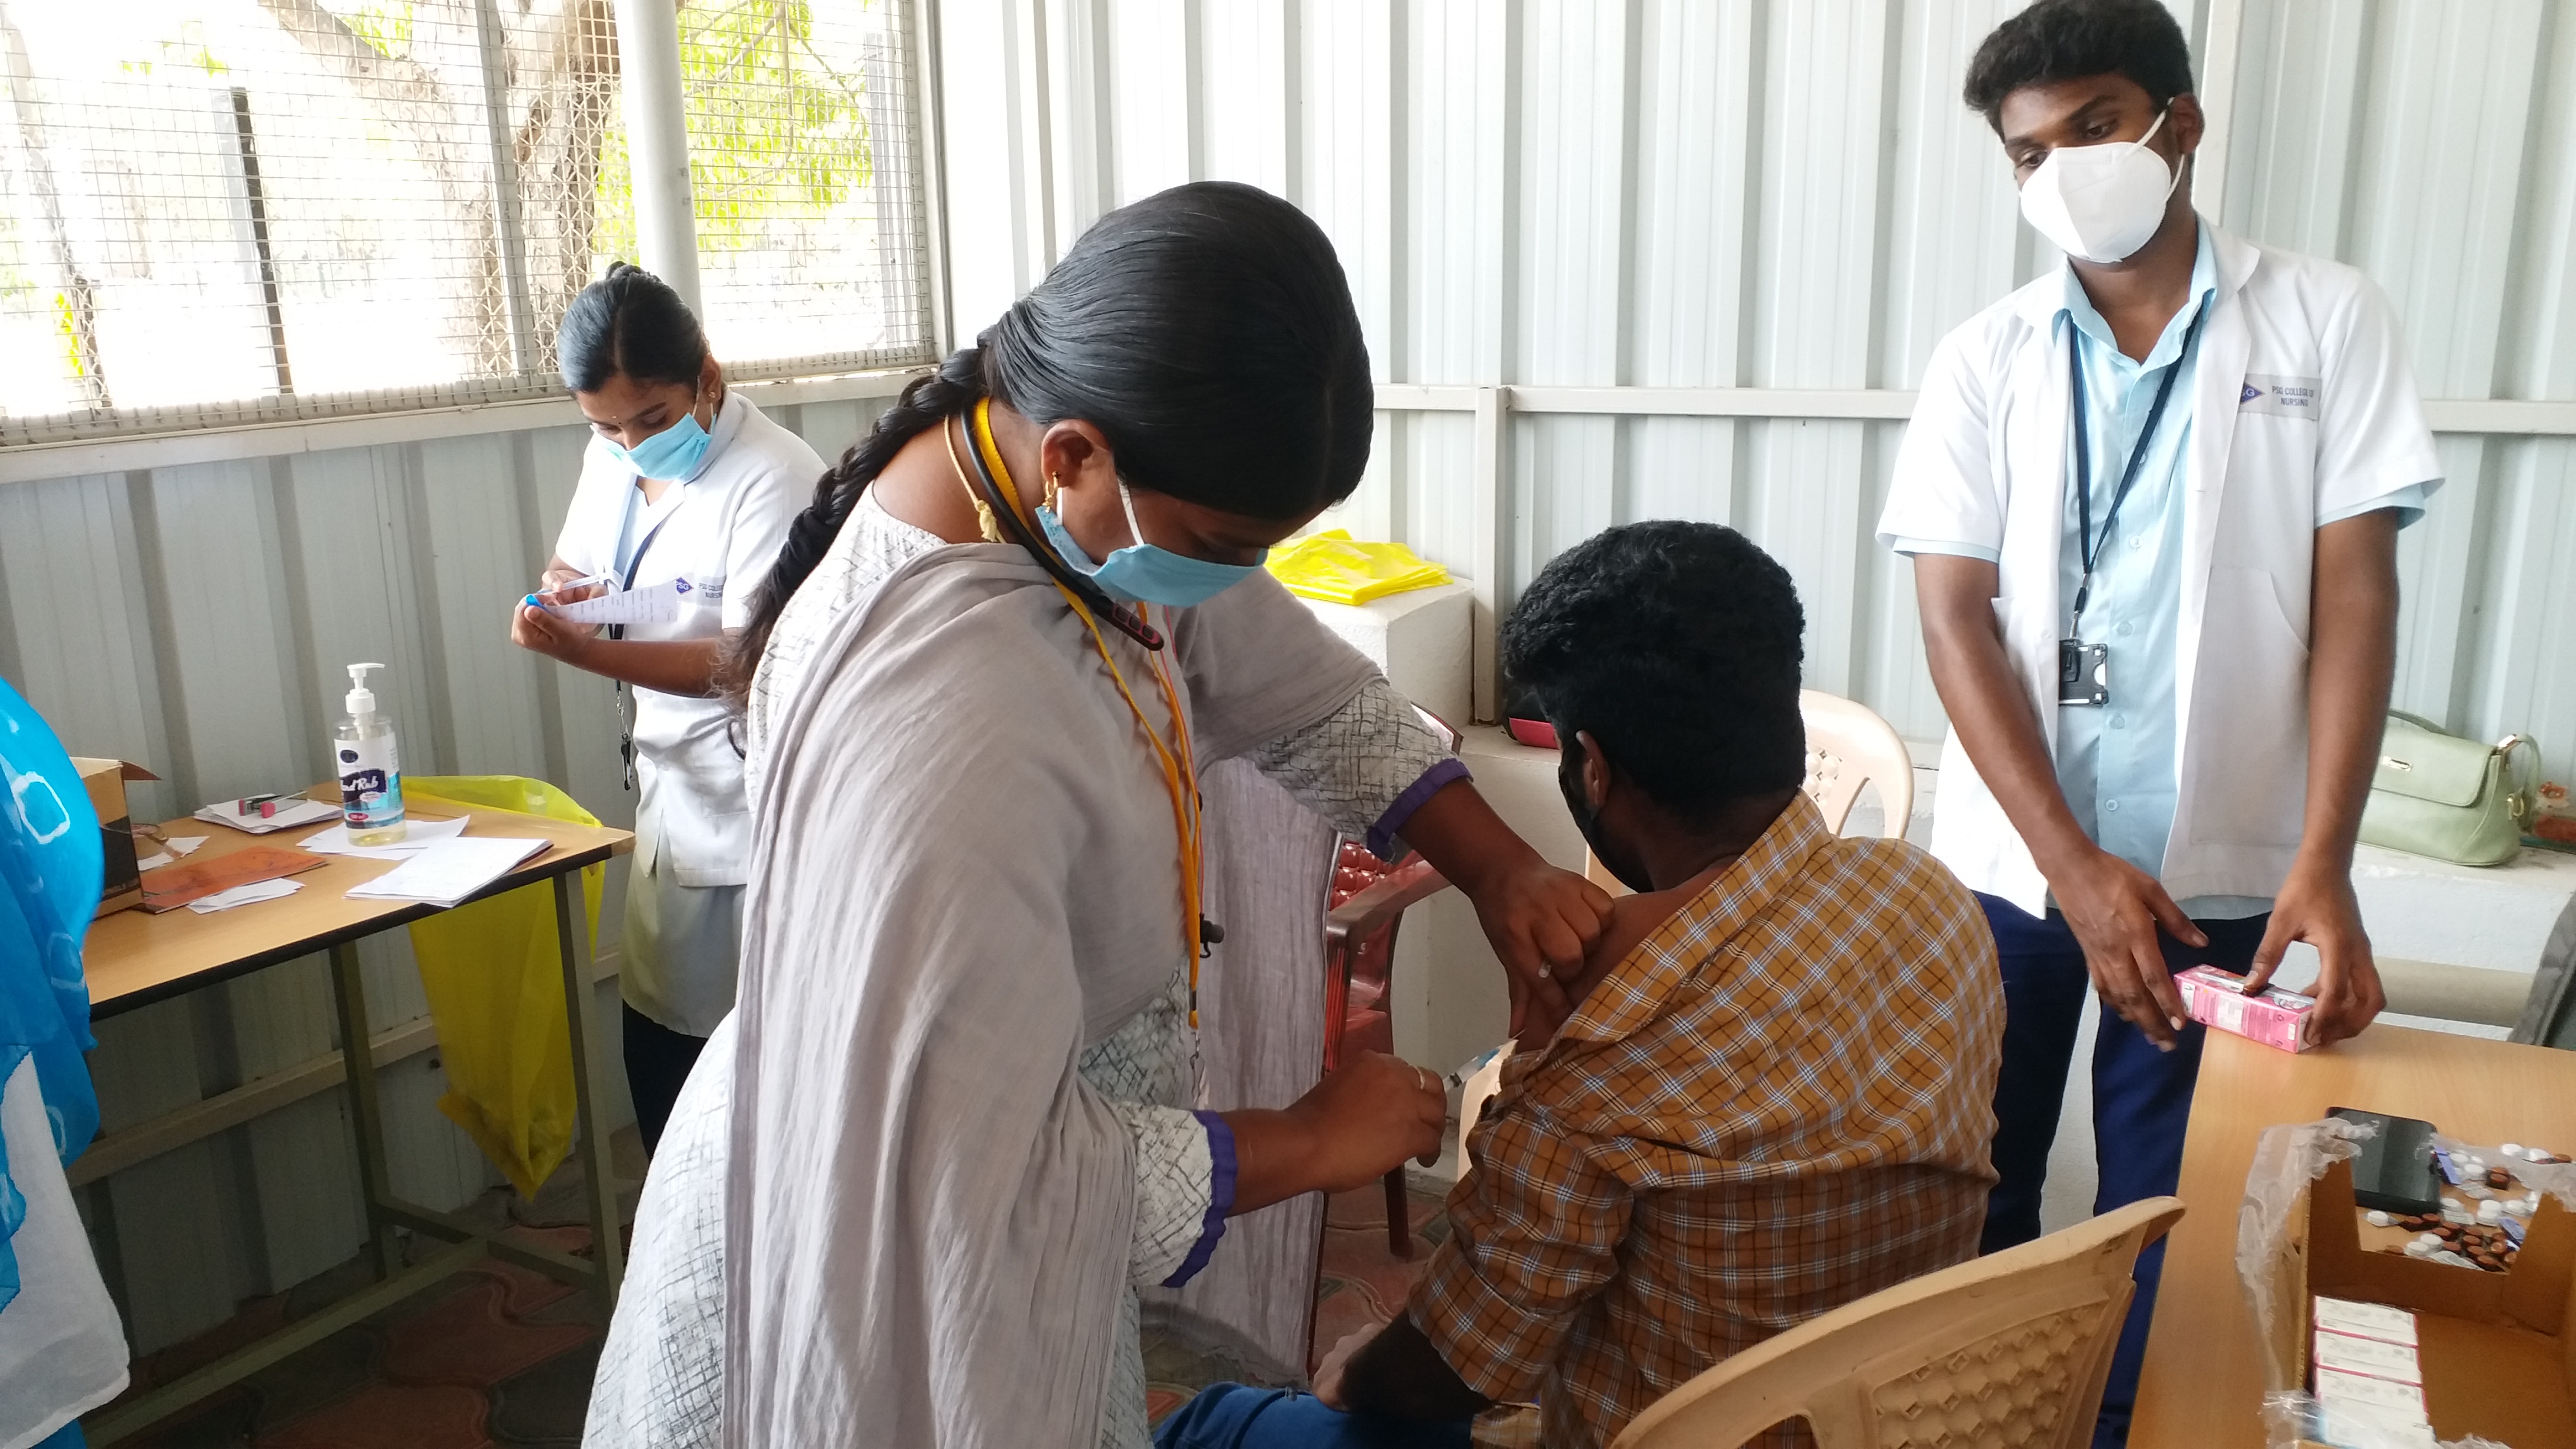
(658, 1060)
(2141, 1102)
(1234, 1416)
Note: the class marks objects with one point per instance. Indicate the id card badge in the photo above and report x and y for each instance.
(2083, 672)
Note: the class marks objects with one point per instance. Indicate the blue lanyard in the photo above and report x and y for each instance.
(617, 694)
(2089, 548)
(635, 563)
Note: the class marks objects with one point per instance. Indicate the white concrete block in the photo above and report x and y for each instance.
(2509, 917)
(1450, 1002)
(1420, 639)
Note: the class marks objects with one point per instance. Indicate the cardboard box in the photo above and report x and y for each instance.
(2275, 1017)
(121, 885)
(2497, 1350)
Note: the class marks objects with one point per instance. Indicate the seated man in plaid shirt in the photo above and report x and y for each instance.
(1774, 1094)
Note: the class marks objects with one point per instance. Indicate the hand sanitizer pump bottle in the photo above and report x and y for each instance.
(370, 767)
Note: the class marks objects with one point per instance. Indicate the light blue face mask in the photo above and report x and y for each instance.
(672, 454)
(1141, 573)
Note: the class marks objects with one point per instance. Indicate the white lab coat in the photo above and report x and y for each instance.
(2304, 407)
(720, 530)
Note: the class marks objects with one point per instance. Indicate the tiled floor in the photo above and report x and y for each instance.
(1360, 1282)
(501, 1357)
(494, 1358)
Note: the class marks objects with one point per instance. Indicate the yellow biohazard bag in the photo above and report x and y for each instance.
(494, 977)
(1337, 569)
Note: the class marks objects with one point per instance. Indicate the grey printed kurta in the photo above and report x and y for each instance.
(1364, 766)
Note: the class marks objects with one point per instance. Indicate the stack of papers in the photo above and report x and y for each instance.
(420, 836)
(450, 870)
(243, 895)
(289, 814)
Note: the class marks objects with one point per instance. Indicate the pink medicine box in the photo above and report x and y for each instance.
(2276, 1018)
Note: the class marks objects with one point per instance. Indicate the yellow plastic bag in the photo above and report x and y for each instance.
(1337, 569)
(494, 977)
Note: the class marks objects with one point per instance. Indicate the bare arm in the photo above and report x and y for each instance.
(2352, 656)
(1396, 1373)
(1541, 920)
(2113, 907)
(1356, 1126)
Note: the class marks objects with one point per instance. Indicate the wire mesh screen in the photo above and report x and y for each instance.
(227, 211)
(802, 167)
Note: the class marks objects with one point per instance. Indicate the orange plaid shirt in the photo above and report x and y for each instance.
(1779, 1102)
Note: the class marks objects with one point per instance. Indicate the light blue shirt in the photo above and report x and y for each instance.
(2116, 762)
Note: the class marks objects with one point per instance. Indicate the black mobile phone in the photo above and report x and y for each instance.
(2395, 1171)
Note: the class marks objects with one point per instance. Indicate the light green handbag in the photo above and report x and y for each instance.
(2437, 794)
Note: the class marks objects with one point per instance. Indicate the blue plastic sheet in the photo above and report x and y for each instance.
(50, 871)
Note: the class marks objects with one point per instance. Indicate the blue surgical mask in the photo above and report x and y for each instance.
(1141, 573)
(672, 454)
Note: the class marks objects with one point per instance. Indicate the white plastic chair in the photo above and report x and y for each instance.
(1848, 746)
(2012, 1348)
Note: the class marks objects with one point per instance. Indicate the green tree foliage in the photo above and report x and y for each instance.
(386, 28)
(777, 132)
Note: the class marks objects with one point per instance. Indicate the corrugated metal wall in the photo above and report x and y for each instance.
(1788, 194)
(195, 619)
(1704, 194)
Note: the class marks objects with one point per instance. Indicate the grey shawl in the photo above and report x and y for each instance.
(964, 871)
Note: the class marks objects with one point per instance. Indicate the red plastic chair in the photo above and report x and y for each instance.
(1366, 903)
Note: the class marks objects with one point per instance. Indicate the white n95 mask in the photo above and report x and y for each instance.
(2101, 203)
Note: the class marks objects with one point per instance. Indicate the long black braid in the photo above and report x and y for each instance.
(1207, 332)
(926, 402)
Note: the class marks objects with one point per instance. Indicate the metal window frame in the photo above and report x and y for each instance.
(54, 445)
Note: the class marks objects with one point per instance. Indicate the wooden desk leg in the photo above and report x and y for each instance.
(349, 986)
(572, 941)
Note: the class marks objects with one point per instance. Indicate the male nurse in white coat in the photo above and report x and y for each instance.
(2152, 500)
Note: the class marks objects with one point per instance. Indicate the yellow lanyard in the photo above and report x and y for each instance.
(1180, 766)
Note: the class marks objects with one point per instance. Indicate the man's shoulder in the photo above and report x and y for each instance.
(1996, 329)
(1908, 868)
(2313, 288)
(1898, 891)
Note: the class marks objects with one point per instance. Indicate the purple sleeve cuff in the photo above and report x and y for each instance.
(1382, 836)
(1220, 1198)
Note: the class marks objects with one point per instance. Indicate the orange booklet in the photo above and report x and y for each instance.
(173, 886)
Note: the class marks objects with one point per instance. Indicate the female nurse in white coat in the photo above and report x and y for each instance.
(684, 481)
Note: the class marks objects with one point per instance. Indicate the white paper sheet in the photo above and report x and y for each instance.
(290, 813)
(185, 845)
(421, 835)
(245, 895)
(651, 604)
(450, 870)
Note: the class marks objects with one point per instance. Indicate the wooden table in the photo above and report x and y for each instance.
(2203, 1383)
(133, 959)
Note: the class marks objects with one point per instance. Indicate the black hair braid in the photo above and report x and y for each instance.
(1207, 331)
(926, 402)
